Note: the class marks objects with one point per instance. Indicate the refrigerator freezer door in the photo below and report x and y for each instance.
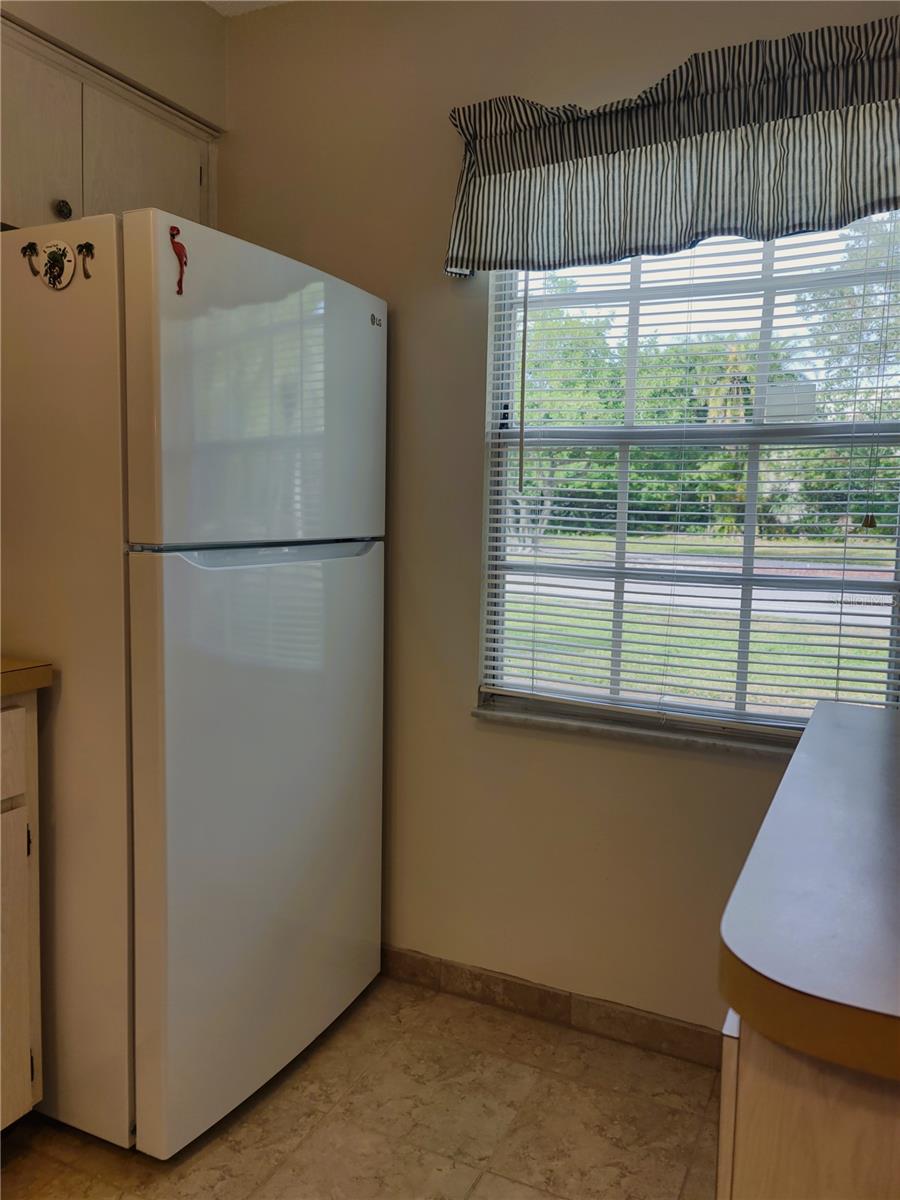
(257, 694)
(256, 396)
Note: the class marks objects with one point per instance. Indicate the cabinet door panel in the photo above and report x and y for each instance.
(12, 752)
(41, 134)
(15, 1001)
(135, 160)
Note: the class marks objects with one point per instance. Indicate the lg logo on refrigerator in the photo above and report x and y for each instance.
(375, 320)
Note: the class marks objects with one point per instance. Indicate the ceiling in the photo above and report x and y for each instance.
(234, 8)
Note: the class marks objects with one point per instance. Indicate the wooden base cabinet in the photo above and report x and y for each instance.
(794, 1127)
(20, 1008)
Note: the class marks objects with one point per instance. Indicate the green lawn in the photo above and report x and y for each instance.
(863, 548)
(694, 654)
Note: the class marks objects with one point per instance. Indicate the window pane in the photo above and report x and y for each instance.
(551, 639)
(809, 646)
(686, 506)
(813, 502)
(680, 643)
(576, 366)
(566, 512)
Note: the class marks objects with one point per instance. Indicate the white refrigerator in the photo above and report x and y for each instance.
(193, 516)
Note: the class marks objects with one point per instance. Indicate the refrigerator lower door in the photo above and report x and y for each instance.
(256, 710)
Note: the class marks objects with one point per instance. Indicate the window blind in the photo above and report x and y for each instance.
(694, 479)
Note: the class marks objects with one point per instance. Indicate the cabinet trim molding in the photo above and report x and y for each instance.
(20, 34)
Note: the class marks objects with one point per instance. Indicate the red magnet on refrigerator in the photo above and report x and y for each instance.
(181, 255)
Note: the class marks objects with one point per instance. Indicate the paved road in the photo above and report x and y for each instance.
(859, 608)
(661, 560)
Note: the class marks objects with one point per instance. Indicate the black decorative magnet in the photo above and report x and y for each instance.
(85, 251)
(30, 253)
(58, 265)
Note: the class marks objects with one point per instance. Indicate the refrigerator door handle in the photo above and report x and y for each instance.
(236, 557)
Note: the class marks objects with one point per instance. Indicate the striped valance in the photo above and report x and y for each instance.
(758, 140)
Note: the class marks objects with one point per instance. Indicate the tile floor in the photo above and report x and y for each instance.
(414, 1095)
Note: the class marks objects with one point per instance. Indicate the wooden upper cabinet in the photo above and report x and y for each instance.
(71, 132)
(135, 159)
(41, 138)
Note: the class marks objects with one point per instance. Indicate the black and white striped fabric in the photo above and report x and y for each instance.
(759, 140)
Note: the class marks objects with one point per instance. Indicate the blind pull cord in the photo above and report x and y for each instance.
(522, 388)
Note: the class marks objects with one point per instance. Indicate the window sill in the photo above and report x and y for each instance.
(520, 713)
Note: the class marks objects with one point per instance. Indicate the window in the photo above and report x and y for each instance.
(703, 524)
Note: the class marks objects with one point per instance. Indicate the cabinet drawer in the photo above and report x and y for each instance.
(12, 758)
(15, 968)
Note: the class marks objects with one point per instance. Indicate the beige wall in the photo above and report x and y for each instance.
(174, 49)
(572, 860)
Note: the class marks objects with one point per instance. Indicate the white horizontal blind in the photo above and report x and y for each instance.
(708, 518)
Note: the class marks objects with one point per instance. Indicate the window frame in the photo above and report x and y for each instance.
(502, 394)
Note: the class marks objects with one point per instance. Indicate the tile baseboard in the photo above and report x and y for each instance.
(650, 1031)
(411, 966)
